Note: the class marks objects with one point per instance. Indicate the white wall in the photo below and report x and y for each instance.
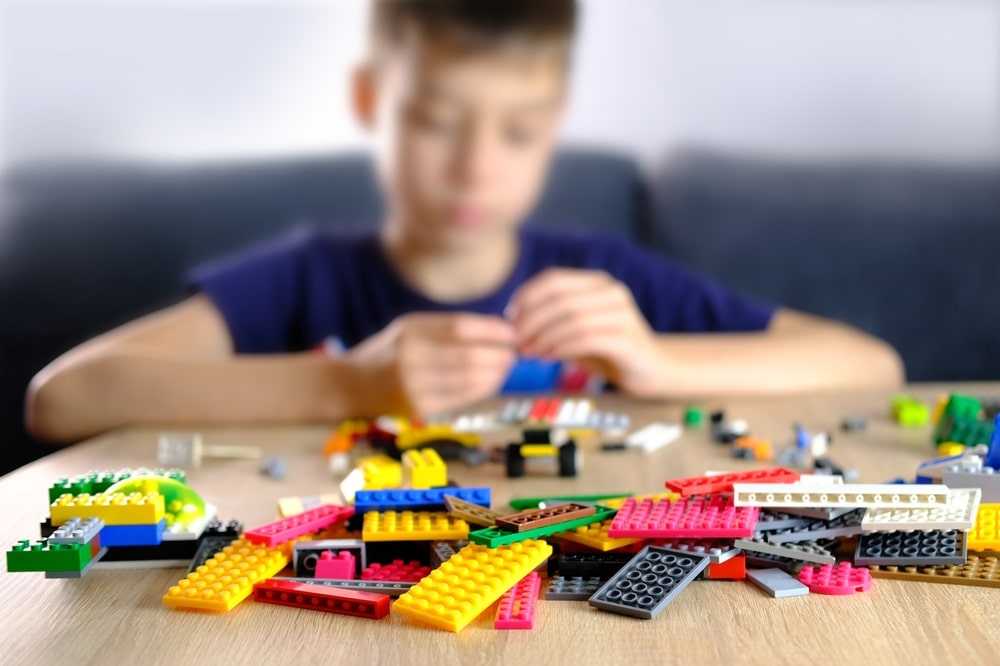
(209, 79)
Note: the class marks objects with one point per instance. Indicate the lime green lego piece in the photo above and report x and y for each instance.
(41, 555)
(494, 536)
(525, 503)
(908, 411)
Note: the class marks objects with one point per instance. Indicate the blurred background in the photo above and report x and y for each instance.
(838, 156)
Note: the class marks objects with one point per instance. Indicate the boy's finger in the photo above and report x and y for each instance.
(471, 328)
(569, 308)
(555, 340)
(552, 282)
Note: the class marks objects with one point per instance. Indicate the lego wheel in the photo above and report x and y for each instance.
(568, 459)
(515, 461)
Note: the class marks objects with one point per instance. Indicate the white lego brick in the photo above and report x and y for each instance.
(654, 436)
(958, 514)
(773, 495)
(821, 479)
(76, 530)
(567, 412)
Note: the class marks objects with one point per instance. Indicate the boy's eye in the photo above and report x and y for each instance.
(433, 123)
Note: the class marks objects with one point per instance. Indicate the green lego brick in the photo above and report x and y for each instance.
(525, 503)
(93, 483)
(909, 412)
(960, 408)
(694, 416)
(494, 536)
(41, 555)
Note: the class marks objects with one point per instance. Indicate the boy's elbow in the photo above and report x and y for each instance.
(886, 365)
(49, 410)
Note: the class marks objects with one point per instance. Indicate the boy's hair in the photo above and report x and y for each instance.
(475, 25)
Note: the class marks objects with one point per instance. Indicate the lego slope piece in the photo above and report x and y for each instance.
(929, 548)
(517, 606)
(494, 536)
(576, 588)
(113, 509)
(459, 590)
(694, 517)
(553, 515)
(958, 514)
(413, 526)
(322, 598)
(645, 586)
(705, 485)
(735, 568)
(984, 534)
(286, 529)
(417, 500)
(978, 571)
(777, 583)
(227, 578)
(921, 496)
(471, 513)
(840, 579)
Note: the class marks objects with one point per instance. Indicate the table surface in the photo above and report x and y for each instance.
(118, 616)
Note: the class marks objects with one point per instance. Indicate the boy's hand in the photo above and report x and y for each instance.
(590, 317)
(430, 363)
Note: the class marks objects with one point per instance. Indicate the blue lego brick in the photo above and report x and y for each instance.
(416, 500)
(923, 479)
(533, 375)
(993, 455)
(649, 582)
(133, 535)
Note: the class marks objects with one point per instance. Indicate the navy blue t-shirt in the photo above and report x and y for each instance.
(301, 290)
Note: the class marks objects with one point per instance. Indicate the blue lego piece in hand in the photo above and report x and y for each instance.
(533, 375)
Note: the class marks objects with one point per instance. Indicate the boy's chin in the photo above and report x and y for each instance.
(458, 237)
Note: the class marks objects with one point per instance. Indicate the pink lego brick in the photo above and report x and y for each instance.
(839, 579)
(338, 567)
(517, 606)
(705, 485)
(691, 517)
(398, 571)
(286, 529)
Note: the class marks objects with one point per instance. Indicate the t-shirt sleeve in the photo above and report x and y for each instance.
(257, 291)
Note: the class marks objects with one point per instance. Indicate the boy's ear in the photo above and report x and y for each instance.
(363, 95)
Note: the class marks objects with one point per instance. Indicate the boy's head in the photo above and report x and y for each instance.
(464, 99)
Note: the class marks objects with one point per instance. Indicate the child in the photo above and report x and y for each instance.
(463, 99)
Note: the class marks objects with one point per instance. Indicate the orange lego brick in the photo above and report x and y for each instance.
(984, 534)
(413, 526)
(113, 508)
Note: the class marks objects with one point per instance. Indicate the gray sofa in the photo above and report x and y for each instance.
(902, 252)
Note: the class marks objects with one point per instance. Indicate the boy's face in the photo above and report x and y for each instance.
(463, 143)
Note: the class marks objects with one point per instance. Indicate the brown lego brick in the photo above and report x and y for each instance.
(978, 570)
(553, 515)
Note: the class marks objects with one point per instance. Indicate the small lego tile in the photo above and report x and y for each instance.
(227, 578)
(134, 535)
(807, 551)
(592, 565)
(397, 570)
(777, 583)
(305, 555)
(718, 550)
(93, 563)
(317, 597)
(856, 495)
(518, 606)
(848, 524)
(494, 536)
(286, 529)
(208, 547)
(595, 535)
(292, 506)
(76, 530)
(525, 503)
(459, 590)
(424, 468)
(41, 555)
(576, 588)
(553, 515)
(839, 579)
(645, 586)
(113, 509)
(471, 513)
(984, 534)
(693, 517)
(391, 588)
(958, 514)
(417, 500)
(413, 526)
(987, 479)
(720, 483)
(929, 548)
(340, 566)
(735, 568)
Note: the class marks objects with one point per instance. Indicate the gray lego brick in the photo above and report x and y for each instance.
(807, 551)
(718, 550)
(767, 561)
(76, 530)
(930, 548)
(645, 586)
(777, 583)
(988, 479)
(572, 589)
(82, 572)
(305, 554)
(769, 521)
(848, 524)
(207, 548)
(441, 552)
(818, 513)
(392, 588)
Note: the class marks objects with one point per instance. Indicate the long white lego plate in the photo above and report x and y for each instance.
(894, 496)
(958, 514)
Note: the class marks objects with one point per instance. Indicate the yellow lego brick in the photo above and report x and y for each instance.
(539, 450)
(946, 449)
(472, 513)
(424, 469)
(413, 526)
(595, 535)
(413, 437)
(984, 534)
(113, 508)
(227, 578)
(459, 590)
(381, 472)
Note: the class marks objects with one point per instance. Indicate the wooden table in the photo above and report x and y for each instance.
(117, 616)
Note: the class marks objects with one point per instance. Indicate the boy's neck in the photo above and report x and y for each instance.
(451, 275)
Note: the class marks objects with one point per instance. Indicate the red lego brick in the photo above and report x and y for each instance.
(839, 579)
(398, 571)
(338, 567)
(692, 517)
(517, 606)
(552, 413)
(705, 485)
(322, 598)
(734, 568)
(286, 529)
(539, 409)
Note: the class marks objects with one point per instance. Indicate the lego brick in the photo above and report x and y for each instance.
(317, 597)
(958, 514)
(767, 561)
(977, 571)
(286, 529)
(94, 561)
(777, 583)
(340, 566)
(380, 471)
(693, 517)
(417, 500)
(518, 606)
(926, 548)
(619, 502)
(305, 555)
(719, 483)
(984, 534)
(207, 548)
(735, 568)
(592, 565)
(770, 521)
(134, 535)
(654, 436)
(838, 579)
(97, 482)
(494, 536)
(41, 555)
(717, 550)
(854, 495)
(424, 468)
(292, 506)
(848, 524)
(76, 530)
(471, 513)
(572, 589)
(818, 513)
(645, 586)
(227, 578)
(113, 509)
(806, 551)
(117, 565)
(413, 526)
(595, 535)
(459, 590)
(391, 588)
(988, 480)
(151, 556)
(553, 515)
(525, 503)
(397, 570)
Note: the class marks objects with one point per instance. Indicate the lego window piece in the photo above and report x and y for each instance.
(286, 529)
(693, 517)
(839, 579)
(645, 586)
(517, 606)
(719, 483)
(320, 598)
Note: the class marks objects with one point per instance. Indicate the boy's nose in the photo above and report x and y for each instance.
(474, 160)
